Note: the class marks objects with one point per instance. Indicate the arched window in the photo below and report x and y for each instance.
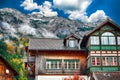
(108, 38)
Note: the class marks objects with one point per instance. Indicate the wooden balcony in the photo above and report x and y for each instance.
(29, 59)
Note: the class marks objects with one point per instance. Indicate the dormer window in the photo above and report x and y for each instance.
(72, 43)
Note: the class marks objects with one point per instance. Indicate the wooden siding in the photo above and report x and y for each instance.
(3, 74)
(41, 57)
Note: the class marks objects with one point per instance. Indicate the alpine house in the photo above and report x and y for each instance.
(98, 52)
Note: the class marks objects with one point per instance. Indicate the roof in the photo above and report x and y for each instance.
(73, 35)
(8, 65)
(106, 75)
(107, 22)
(48, 44)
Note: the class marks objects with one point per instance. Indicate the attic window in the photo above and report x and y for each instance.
(72, 43)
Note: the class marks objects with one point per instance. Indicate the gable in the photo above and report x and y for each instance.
(105, 26)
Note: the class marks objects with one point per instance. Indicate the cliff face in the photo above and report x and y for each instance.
(13, 23)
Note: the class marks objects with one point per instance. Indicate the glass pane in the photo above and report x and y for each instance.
(93, 61)
(108, 38)
(118, 40)
(107, 34)
(112, 40)
(104, 40)
(94, 40)
(71, 43)
(98, 61)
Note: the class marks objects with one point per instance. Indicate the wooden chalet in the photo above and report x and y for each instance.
(60, 57)
(6, 71)
(103, 48)
(97, 51)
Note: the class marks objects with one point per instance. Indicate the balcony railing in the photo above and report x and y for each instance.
(29, 59)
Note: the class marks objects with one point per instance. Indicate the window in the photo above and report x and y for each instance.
(118, 40)
(53, 64)
(108, 38)
(109, 61)
(119, 61)
(72, 43)
(94, 40)
(59, 64)
(95, 61)
(71, 64)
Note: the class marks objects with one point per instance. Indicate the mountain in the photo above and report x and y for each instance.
(13, 23)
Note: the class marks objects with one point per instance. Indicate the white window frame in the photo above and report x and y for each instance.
(94, 40)
(51, 62)
(109, 61)
(75, 64)
(108, 38)
(96, 62)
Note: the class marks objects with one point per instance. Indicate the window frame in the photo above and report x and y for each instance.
(108, 38)
(72, 43)
(109, 61)
(53, 64)
(95, 63)
(118, 40)
(72, 63)
(94, 40)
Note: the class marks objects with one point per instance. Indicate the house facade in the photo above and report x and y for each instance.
(97, 51)
(6, 71)
(103, 48)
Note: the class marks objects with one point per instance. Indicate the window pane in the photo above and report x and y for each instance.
(104, 40)
(115, 61)
(107, 34)
(108, 38)
(98, 61)
(53, 64)
(93, 61)
(109, 61)
(94, 40)
(71, 64)
(111, 40)
(118, 40)
(71, 43)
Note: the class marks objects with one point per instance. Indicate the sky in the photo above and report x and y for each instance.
(84, 10)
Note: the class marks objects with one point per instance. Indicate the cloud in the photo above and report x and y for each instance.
(26, 29)
(29, 5)
(98, 15)
(77, 10)
(48, 34)
(71, 5)
(45, 9)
